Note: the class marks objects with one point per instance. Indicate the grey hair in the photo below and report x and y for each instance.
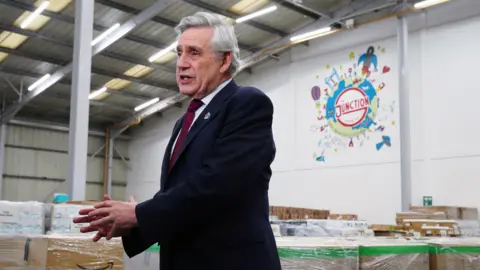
(223, 40)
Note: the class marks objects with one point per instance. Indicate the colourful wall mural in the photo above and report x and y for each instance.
(349, 107)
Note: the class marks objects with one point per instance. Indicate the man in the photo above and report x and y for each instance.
(212, 210)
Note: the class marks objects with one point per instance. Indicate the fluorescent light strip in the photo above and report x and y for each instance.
(163, 52)
(310, 34)
(105, 34)
(256, 14)
(34, 14)
(147, 104)
(428, 3)
(38, 82)
(97, 93)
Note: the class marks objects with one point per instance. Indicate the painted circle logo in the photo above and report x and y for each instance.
(351, 107)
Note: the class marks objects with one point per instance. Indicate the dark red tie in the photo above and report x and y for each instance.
(195, 104)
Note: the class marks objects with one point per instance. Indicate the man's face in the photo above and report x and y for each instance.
(199, 68)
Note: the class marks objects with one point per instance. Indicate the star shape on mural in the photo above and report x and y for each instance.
(328, 66)
(352, 55)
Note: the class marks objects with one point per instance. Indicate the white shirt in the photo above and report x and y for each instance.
(206, 100)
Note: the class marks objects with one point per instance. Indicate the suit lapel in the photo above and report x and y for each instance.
(208, 114)
(168, 153)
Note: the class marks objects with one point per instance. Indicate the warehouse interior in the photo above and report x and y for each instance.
(90, 99)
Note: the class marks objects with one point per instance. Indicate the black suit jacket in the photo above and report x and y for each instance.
(212, 211)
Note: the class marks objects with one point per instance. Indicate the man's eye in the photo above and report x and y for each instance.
(195, 53)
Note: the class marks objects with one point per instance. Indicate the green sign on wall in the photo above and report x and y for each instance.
(427, 200)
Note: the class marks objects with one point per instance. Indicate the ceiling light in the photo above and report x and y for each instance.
(97, 93)
(38, 82)
(146, 104)
(311, 34)
(428, 3)
(163, 52)
(105, 34)
(256, 14)
(34, 14)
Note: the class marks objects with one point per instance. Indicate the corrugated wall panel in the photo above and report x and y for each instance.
(36, 165)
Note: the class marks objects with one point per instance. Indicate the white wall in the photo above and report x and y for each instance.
(36, 165)
(443, 47)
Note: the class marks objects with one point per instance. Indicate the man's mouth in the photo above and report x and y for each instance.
(184, 79)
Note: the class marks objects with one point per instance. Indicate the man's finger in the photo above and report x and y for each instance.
(84, 219)
(112, 232)
(103, 204)
(102, 222)
(85, 211)
(87, 229)
(101, 212)
(106, 197)
(97, 237)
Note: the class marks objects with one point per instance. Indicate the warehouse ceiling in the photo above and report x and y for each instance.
(46, 44)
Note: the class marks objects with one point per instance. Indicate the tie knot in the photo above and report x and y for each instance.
(195, 104)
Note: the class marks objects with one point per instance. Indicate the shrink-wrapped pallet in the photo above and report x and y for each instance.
(380, 254)
(454, 254)
(317, 253)
(56, 252)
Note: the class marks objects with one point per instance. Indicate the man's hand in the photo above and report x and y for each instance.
(109, 218)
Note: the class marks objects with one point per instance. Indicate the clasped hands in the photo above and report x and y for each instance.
(109, 218)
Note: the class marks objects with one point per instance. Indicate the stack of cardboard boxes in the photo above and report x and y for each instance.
(59, 253)
(24, 244)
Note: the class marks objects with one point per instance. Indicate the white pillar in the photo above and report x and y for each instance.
(79, 104)
(404, 100)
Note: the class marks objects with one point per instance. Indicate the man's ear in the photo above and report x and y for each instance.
(227, 60)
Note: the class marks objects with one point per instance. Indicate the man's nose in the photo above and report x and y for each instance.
(182, 63)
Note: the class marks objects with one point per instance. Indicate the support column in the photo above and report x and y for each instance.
(3, 134)
(79, 104)
(404, 100)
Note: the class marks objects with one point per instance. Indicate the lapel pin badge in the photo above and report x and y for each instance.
(207, 116)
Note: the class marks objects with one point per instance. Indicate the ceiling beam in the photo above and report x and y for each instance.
(69, 44)
(65, 81)
(120, 32)
(158, 19)
(99, 71)
(71, 20)
(232, 15)
(156, 108)
(292, 5)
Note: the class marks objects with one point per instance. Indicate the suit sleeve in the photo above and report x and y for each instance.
(243, 150)
(136, 242)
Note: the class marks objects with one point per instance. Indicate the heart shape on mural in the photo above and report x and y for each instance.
(386, 69)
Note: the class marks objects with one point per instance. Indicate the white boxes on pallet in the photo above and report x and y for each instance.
(22, 218)
(62, 218)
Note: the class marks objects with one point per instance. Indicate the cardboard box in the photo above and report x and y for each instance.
(343, 216)
(22, 218)
(59, 253)
(427, 227)
(415, 215)
(392, 254)
(455, 254)
(451, 212)
(62, 215)
(317, 253)
(284, 213)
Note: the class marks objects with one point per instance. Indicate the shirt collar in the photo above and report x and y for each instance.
(210, 97)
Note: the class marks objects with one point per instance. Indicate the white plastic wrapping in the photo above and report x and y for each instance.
(62, 218)
(55, 252)
(22, 218)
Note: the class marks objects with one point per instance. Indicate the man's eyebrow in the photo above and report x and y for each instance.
(189, 47)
